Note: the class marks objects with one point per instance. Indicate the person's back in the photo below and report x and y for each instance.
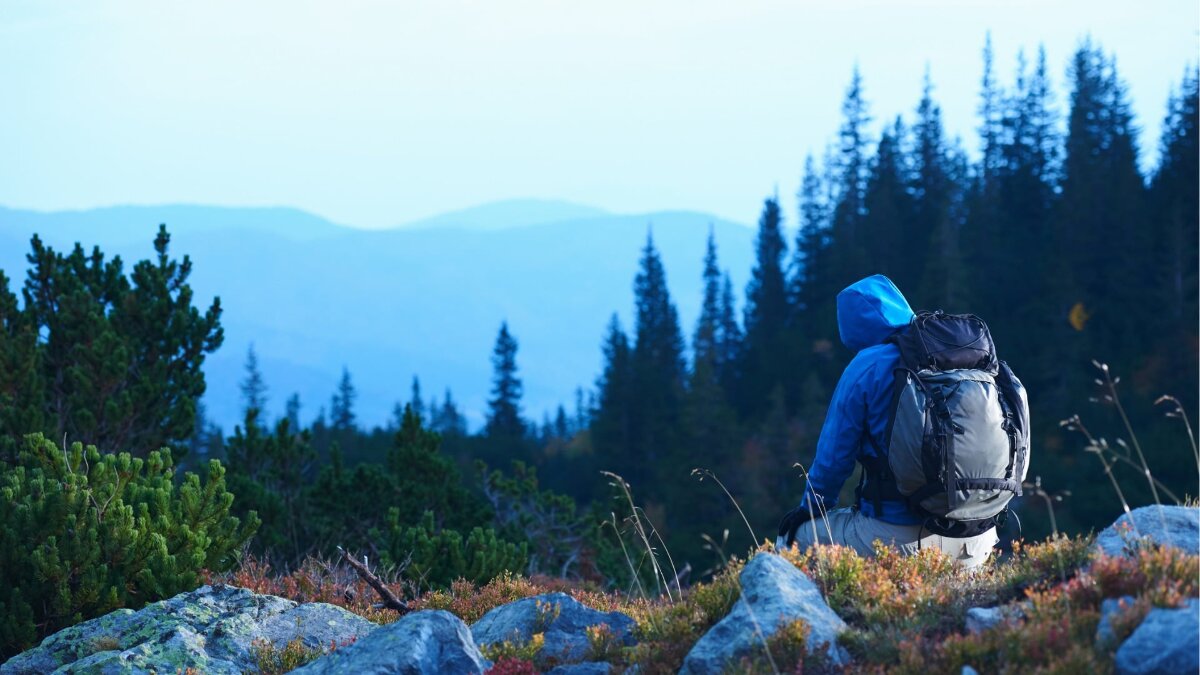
(857, 428)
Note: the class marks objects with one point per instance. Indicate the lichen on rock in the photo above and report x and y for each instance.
(775, 593)
(211, 629)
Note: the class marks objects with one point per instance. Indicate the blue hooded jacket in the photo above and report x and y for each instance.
(869, 311)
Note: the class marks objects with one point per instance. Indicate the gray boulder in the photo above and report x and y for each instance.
(1177, 526)
(428, 642)
(1167, 641)
(774, 594)
(211, 629)
(1109, 609)
(562, 620)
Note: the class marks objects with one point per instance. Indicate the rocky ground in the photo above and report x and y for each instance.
(782, 618)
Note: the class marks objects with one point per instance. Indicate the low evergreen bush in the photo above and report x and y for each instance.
(83, 533)
(435, 557)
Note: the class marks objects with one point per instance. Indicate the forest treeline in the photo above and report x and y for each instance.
(1053, 235)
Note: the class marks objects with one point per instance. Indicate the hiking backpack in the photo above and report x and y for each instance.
(956, 447)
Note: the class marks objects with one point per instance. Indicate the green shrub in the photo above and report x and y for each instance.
(435, 557)
(514, 649)
(83, 533)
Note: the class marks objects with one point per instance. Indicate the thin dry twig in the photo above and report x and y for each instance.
(1111, 385)
(702, 473)
(390, 601)
(1179, 412)
(1101, 449)
(660, 577)
(1035, 488)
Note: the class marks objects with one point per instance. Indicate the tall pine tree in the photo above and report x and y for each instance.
(1102, 216)
(766, 313)
(341, 407)
(851, 164)
(254, 389)
(504, 419)
(658, 376)
(612, 422)
(1175, 197)
(886, 222)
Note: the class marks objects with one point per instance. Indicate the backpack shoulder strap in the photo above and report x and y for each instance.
(877, 482)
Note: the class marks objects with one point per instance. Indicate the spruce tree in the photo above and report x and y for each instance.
(658, 380)
(418, 405)
(612, 423)
(813, 285)
(886, 223)
(254, 389)
(709, 423)
(450, 420)
(766, 312)
(504, 419)
(933, 193)
(706, 336)
(658, 341)
(991, 115)
(583, 413)
(1020, 206)
(1106, 243)
(292, 411)
(944, 279)
(1174, 194)
(852, 167)
(729, 343)
(808, 285)
(562, 428)
(341, 407)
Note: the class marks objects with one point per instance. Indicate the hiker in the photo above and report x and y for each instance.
(923, 398)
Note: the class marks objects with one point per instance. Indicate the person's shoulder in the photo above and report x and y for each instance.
(878, 352)
(872, 361)
(886, 354)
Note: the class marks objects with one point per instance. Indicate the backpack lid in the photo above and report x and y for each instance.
(940, 341)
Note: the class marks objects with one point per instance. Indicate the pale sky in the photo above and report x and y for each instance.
(378, 113)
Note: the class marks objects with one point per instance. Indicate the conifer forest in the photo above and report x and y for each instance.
(1076, 245)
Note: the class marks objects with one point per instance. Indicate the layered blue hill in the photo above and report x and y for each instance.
(422, 299)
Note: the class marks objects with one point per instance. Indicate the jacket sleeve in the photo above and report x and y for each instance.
(841, 436)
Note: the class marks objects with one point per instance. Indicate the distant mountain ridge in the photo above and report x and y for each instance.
(424, 298)
(127, 224)
(510, 213)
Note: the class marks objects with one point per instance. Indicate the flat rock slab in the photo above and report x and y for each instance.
(1167, 641)
(429, 642)
(562, 620)
(774, 594)
(1177, 526)
(211, 629)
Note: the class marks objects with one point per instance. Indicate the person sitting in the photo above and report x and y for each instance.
(923, 404)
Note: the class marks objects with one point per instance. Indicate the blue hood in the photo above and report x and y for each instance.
(870, 310)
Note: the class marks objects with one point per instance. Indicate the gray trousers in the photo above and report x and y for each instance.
(849, 527)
